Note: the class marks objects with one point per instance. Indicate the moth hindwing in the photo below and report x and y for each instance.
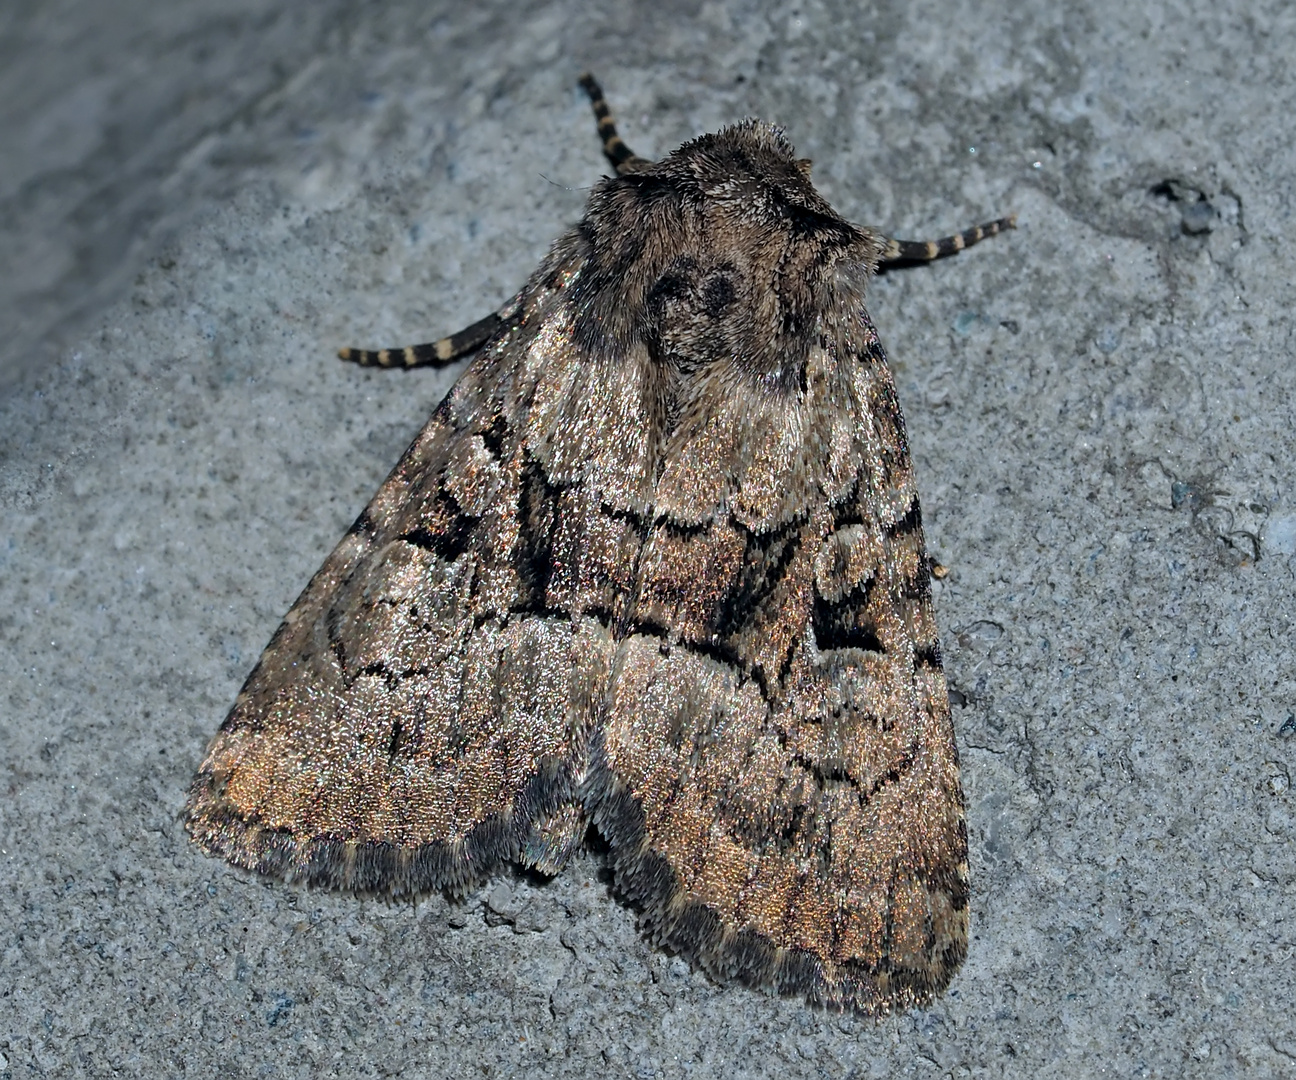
(656, 566)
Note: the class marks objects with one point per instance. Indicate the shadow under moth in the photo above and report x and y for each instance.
(656, 566)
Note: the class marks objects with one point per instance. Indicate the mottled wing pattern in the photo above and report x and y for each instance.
(656, 563)
(781, 779)
(406, 728)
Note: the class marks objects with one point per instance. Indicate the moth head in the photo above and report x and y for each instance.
(722, 253)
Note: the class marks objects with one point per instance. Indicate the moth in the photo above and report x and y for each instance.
(655, 566)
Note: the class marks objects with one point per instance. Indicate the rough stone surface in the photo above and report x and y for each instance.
(1101, 408)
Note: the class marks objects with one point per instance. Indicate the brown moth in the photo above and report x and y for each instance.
(656, 566)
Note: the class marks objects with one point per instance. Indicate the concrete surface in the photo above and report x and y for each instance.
(200, 201)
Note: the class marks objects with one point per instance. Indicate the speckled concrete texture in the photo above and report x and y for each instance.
(1101, 410)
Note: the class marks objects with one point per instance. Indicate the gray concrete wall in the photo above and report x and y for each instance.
(200, 201)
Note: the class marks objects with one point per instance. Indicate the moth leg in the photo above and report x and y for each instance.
(625, 159)
(906, 251)
(434, 354)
